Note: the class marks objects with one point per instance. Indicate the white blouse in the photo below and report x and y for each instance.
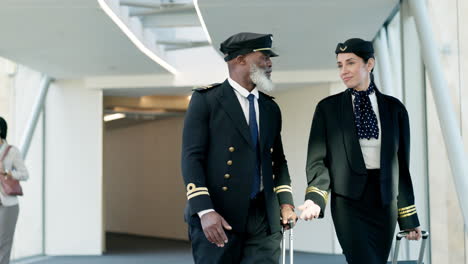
(371, 147)
(13, 162)
(242, 94)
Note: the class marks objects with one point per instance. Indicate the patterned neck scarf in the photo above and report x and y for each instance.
(364, 116)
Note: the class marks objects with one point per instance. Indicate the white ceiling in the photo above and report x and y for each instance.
(68, 39)
(305, 32)
(76, 39)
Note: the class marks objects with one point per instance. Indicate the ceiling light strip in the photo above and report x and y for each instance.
(112, 117)
(138, 43)
(202, 21)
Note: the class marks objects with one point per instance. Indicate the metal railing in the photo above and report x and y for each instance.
(36, 112)
(450, 128)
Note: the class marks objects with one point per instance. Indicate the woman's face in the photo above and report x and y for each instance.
(353, 71)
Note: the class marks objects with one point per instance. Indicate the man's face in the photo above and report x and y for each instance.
(260, 68)
(260, 60)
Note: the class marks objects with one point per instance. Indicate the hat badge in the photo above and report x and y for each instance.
(343, 49)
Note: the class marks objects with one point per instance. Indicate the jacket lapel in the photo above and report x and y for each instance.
(351, 141)
(229, 102)
(265, 121)
(386, 129)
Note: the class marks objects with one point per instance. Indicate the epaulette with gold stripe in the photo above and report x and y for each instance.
(322, 193)
(206, 87)
(282, 188)
(194, 191)
(406, 211)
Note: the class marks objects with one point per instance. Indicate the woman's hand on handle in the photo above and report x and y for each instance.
(310, 210)
(414, 233)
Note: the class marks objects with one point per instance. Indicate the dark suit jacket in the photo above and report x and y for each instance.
(335, 160)
(218, 157)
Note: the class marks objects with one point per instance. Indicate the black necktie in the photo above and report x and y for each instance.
(364, 116)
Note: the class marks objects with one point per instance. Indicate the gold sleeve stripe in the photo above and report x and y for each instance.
(197, 190)
(283, 190)
(193, 190)
(314, 189)
(197, 194)
(284, 186)
(325, 196)
(281, 187)
(286, 189)
(406, 208)
(407, 211)
(408, 214)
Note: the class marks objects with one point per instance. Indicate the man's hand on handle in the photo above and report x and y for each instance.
(310, 210)
(287, 214)
(213, 225)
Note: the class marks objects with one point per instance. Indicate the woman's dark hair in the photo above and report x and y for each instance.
(366, 57)
(3, 128)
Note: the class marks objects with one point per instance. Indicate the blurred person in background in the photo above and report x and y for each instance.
(11, 166)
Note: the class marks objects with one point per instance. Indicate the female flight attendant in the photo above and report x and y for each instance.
(359, 151)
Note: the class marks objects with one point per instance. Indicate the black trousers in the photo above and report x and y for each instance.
(256, 245)
(365, 228)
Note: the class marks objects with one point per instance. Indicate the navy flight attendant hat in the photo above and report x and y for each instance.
(360, 47)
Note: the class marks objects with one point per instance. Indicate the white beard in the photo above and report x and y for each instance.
(260, 79)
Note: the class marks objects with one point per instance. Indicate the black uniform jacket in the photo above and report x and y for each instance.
(335, 161)
(218, 158)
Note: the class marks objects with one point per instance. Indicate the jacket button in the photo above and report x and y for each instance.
(227, 176)
(272, 163)
(273, 176)
(231, 149)
(271, 150)
(229, 162)
(225, 188)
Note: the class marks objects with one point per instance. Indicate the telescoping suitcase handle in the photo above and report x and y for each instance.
(291, 243)
(403, 234)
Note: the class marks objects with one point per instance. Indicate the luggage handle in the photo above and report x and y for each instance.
(291, 243)
(402, 234)
(290, 224)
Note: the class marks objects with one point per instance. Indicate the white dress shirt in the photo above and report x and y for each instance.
(371, 147)
(242, 94)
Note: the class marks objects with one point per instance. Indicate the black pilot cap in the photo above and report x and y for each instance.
(360, 47)
(246, 42)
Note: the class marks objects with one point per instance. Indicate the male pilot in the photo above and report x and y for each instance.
(233, 165)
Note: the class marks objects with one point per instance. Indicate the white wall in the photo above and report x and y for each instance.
(19, 87)
(29, 229)
(298, 107)
(144, 191)
(135, 151)
(73, 194)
